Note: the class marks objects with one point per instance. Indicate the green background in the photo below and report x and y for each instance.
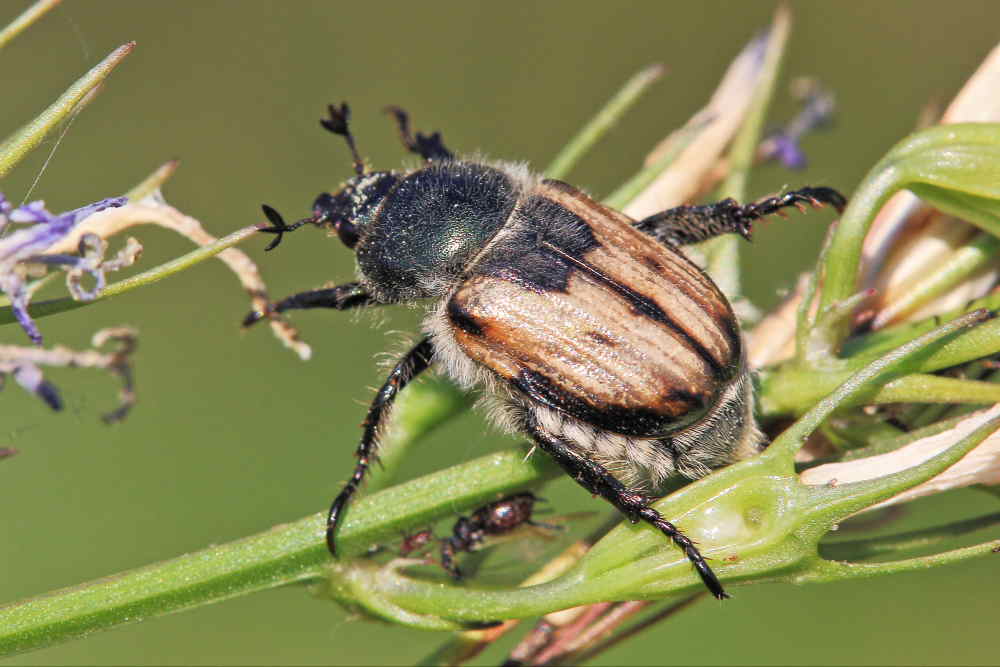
(233, 434)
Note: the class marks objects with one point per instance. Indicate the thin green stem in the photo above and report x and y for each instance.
(26, 19)
(649, 173)
(955, 167)
(792, 439)
(827, 571)
(917, 539)
(18, 145)
(605, 119)
(45, 308)
(722, 255)
(965, 261)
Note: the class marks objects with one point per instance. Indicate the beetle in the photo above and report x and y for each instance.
(591, 333)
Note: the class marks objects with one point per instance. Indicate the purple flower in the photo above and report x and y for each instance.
(27, 245)
(786, 150)
(818, 106)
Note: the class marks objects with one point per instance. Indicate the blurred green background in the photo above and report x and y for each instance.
(233, 434)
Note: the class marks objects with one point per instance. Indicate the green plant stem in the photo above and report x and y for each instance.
(605, 119)
(157, 273)
(285, 554)
(649, 173)
(975, 254)
(792, 388)
(722, 255)
(917, 539)
(954, 167)
(18, 145)
(829, 571)
(25, 20)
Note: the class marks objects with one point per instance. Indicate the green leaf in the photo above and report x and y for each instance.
(955, 166)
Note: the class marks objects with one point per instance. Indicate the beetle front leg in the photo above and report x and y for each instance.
(341, 297)
(693, 224)
(594, 477)
(414, 362)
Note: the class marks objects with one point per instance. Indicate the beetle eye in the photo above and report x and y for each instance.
(328, 209)
(347, 231)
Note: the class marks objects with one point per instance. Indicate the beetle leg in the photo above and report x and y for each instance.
(341, 297)
(429, 147)
(414, 362)
(448, 549)
(692, 224)
(594, 477)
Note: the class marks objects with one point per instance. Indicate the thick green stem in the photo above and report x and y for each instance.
(287, 553)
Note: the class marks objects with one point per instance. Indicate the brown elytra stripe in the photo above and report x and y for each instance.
(649, 367)
(646, 307)
(661, 274)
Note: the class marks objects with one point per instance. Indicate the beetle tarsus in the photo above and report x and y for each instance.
(414, 362)
(429, 147)
(684, 225)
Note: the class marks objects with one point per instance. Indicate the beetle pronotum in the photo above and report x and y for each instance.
(592, 334)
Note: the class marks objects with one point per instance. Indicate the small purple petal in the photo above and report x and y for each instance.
(48, 393)
(5, 206)
(28, 243)
(30, 377)
(12, 285)
(32, 212)
(77, 215)
(787, 151)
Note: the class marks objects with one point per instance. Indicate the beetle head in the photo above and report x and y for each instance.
(352, 207)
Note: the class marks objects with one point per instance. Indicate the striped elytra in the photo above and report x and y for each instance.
(575, 308)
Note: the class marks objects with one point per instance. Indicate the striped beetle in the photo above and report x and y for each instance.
(589, 332)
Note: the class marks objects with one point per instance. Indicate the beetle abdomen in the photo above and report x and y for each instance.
(579, 311)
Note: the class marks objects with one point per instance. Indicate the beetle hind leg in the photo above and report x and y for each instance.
(594, 477)
(683, 225)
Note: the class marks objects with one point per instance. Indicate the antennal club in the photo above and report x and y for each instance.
(338, 124)
(278, 226)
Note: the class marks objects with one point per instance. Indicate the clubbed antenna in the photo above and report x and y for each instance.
(337, 123)
(279, 227)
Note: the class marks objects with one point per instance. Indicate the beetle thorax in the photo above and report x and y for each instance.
(430, 226)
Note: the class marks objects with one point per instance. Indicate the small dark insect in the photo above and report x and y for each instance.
(415, 542)
(496, 518)
(596, 337)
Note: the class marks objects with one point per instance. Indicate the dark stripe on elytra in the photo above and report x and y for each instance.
(722, 316)
(637, 422)
(645, 306)
(520, 258)
(462, 318)
(601, 339)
